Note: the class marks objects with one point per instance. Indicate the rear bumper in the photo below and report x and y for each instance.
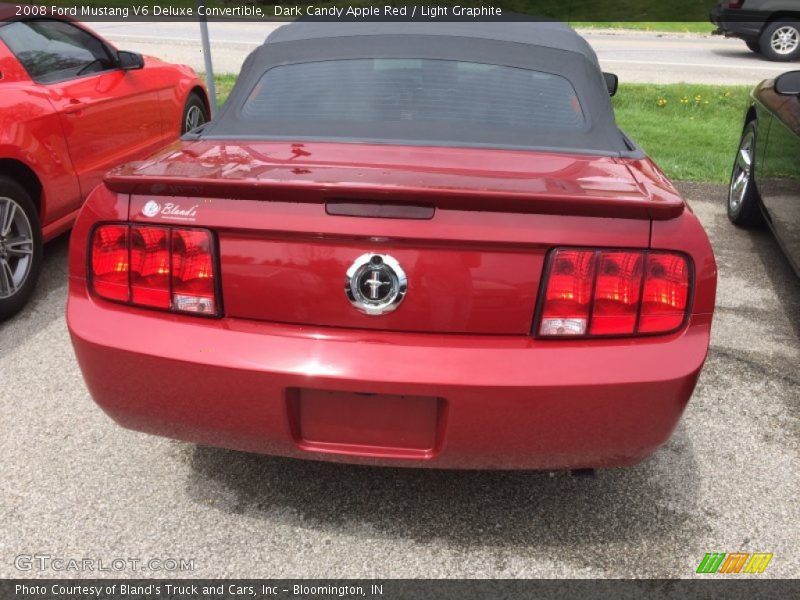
(501, 402)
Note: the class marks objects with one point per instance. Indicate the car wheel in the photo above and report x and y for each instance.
(743, 199)
(753, 45)
(780, 41)
(20, 247)
(194, 113)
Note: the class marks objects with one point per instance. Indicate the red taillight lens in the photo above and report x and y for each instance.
(617, 292)
(666, 293)
(735, 4)
(192, 271)
(170, 268)
(150, 266)
(569, 293)
(110, 268)
(614, 292)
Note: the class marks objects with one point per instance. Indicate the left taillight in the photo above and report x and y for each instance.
(591, 292)
(110, 262)
(168, 268)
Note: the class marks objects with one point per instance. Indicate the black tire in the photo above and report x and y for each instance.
(744, 202)
(195, 113)
(780, 41)
(753, 45)
(20, 272)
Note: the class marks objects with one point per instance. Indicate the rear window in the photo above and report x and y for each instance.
(418, 100)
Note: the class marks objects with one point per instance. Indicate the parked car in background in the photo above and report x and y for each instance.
(765, 181)
(768, 27)
(410, 244)
(72, 107)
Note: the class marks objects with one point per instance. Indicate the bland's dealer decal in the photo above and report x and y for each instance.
(169, 210)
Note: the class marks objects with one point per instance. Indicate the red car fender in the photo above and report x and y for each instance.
(178, 82)
(686, 234)
(101, 205)
(683, 234)
(31, 138)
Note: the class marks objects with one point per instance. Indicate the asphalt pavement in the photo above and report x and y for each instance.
(636, 56)
(75, 485)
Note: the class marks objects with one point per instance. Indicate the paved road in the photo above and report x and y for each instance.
(634, 56)
(75, 485)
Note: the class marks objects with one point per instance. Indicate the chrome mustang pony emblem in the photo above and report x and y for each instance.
(375, 284)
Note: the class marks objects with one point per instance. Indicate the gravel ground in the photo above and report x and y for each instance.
(75, 485)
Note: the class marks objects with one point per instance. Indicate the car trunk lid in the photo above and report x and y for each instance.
(470, 228)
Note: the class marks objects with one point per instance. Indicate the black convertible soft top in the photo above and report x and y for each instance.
(546, 49)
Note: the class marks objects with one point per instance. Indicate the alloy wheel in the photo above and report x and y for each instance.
(16, 247)
(785, 40)
(194, 118)
(742, 172)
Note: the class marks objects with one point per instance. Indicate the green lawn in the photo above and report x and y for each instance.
(667, 26)
(692, 131)
(224, 84)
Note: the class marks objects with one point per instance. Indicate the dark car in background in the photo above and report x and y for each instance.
(765, 181)
(768, 27)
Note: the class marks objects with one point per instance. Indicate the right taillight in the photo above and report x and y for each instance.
(170, 268)
(598, 292)
(665, 294)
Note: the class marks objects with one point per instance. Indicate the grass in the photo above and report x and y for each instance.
(691, 131)
(607, 11)
(224, 85)
(660, 26)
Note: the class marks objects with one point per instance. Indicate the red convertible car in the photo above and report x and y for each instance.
(71, 108)
(403, 244)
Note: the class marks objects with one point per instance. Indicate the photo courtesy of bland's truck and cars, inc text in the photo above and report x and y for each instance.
(399, 301)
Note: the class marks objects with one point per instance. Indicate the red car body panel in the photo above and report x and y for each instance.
(70, 133)
(534, 405)
(454, 378)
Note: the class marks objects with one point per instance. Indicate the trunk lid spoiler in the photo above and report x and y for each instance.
(471, 179)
